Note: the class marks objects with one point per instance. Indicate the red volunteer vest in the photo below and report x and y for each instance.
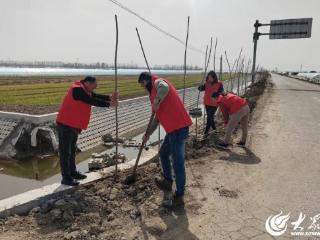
(171, 114)
(209, 89)
(231, 102)
(74, 113)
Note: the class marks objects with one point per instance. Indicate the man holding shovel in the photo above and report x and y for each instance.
(73, 117)
(172, 115)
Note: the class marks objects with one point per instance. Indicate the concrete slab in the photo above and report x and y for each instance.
(36, 119)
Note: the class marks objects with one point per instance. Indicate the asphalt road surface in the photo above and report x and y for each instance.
(280, 171)
(288, 143)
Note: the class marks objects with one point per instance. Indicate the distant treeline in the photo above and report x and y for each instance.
(98, 65)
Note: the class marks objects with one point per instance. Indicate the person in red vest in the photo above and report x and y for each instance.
(173, 117)
(74, 116)
(235, 110)
(211, 85)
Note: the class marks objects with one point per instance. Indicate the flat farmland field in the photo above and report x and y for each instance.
(44, 94)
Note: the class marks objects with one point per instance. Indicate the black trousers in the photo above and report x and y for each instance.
(68, 137)
(210, 118)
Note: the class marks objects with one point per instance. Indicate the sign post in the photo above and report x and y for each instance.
(255, 43)
(281, 29)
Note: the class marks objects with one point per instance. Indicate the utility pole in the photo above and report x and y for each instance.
(255, 44)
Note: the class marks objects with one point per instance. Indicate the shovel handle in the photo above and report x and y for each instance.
(142, 145)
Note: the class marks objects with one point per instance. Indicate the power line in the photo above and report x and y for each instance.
(153, 25)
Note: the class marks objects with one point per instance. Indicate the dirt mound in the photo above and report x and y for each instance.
(90, 210)
(257, 89)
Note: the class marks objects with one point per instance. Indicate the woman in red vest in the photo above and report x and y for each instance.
(211, 85)
(235, 110)
(173, 117)
(74, 116)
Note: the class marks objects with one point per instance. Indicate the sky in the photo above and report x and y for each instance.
(84, 31)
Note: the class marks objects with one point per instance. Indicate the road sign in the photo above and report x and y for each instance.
(281, 29)
(290, 28)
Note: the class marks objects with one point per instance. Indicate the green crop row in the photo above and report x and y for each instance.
(51, 93)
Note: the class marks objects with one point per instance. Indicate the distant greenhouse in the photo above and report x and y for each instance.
(313, 77)
(317, 77)
(309, 75)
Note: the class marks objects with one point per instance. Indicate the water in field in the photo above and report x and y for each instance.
(24, 71)
(20, 176)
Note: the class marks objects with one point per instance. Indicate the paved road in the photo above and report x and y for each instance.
(281, 172)
(288, 144)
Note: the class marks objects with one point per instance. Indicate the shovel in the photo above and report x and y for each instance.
(132, 178)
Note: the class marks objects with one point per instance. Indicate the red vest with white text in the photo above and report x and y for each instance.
(209, 89)
(171, 114)
(74, 113)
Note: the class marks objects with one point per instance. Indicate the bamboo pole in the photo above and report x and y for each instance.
(145, 58)
(116, 91)
(185, 62)
(237, 75)
(204, 112)
(220, 72)
(243, 76)
(206, 68)
(233, 69)
(236, 69)
(230, 71)
(214, 55)
(209, 57)
(240, 69)
(141, 46)
(205, 60)
(247, 72)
